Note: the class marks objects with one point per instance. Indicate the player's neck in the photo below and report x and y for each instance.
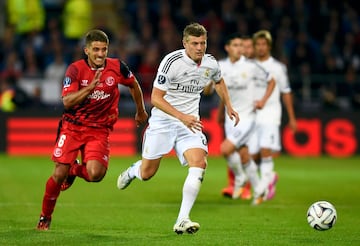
(263, 58)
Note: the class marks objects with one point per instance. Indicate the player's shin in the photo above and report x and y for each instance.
(191, 189)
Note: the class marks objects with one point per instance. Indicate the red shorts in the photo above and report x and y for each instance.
(93, 143)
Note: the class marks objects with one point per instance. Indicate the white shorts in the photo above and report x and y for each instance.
(265, 136)
(240, 134)
(162, 135)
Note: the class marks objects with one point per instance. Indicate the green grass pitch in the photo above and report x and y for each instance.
(144, 213)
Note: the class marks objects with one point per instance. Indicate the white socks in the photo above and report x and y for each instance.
(191, 189)
(135, 170)
(235, 165)
(266, 170)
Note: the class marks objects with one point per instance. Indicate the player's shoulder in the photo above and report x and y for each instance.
(112, 61)
(174, 55)
(277, 63)
(210, 61)
(170, 59)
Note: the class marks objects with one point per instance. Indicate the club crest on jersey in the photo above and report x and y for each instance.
(66, 82)
(207, 73)
(110, 81)
(161, 79)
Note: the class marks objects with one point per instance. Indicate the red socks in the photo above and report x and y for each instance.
(80, 171)
(52, 191)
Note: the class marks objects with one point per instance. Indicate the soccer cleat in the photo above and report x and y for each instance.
(258, 199)
(272, 187)
(238, 187)
(186, 225)
(69, 179)
(44, 223)
(228, 191)
(124, 179)
(246, 193)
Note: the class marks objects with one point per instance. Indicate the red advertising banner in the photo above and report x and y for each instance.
(334, 134)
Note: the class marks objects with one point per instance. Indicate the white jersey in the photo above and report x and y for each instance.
(184, 80)
(240, 78)
(271, 112)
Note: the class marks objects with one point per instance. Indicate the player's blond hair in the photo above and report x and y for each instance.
(263, 34)
(194, 29)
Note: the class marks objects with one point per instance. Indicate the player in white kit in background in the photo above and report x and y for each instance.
(240, 76)
(175, 121)
(266, 139)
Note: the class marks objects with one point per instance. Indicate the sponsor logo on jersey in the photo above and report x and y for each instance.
(66, 82)
(98, 95)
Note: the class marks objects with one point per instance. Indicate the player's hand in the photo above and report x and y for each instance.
(259, 104)
(233, 115)
(96, 79)
(192, 122)
(141, 117)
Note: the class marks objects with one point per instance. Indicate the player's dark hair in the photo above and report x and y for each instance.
(96, 35)
(231, 37)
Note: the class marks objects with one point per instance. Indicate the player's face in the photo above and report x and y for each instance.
(234, 49)
(248, 48)
(96, 52)
(262, 49)
(195, 47)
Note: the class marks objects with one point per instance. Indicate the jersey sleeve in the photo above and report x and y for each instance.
(70, 82)
(162, 79)
(217, 73)
(283, 80)
(127, 75)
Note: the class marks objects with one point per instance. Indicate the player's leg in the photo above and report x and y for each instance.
(196, 159)
(269, 142)
(228, 190)
(52, 191)
(143, 169)
(234, 163)
(95, 153)
(157, 142)
(65, 152)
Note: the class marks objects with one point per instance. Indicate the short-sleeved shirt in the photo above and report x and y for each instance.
(184, 80)
(240, 78)
(100, 108)
(271, 112)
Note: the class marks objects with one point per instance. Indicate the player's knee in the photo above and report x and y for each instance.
(96, 176)
(147, 174)
(226, 149)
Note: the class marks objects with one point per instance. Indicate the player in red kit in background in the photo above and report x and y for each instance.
(90, 96)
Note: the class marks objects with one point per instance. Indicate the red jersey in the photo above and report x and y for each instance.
(100, 108)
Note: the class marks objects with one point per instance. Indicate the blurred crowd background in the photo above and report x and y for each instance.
(319, 41)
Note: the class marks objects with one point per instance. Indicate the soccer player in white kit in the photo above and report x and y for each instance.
(266, 139)
(240, 75)
(175, 121)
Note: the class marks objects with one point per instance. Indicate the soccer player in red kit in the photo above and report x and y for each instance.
(90, 96)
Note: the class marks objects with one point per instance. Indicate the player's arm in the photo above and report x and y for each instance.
(223, 93)
(288, 102)
(77, 97)
(269, 89)
(137, 95)
(157, 99)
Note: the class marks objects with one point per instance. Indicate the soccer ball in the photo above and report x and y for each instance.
(321, 215)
